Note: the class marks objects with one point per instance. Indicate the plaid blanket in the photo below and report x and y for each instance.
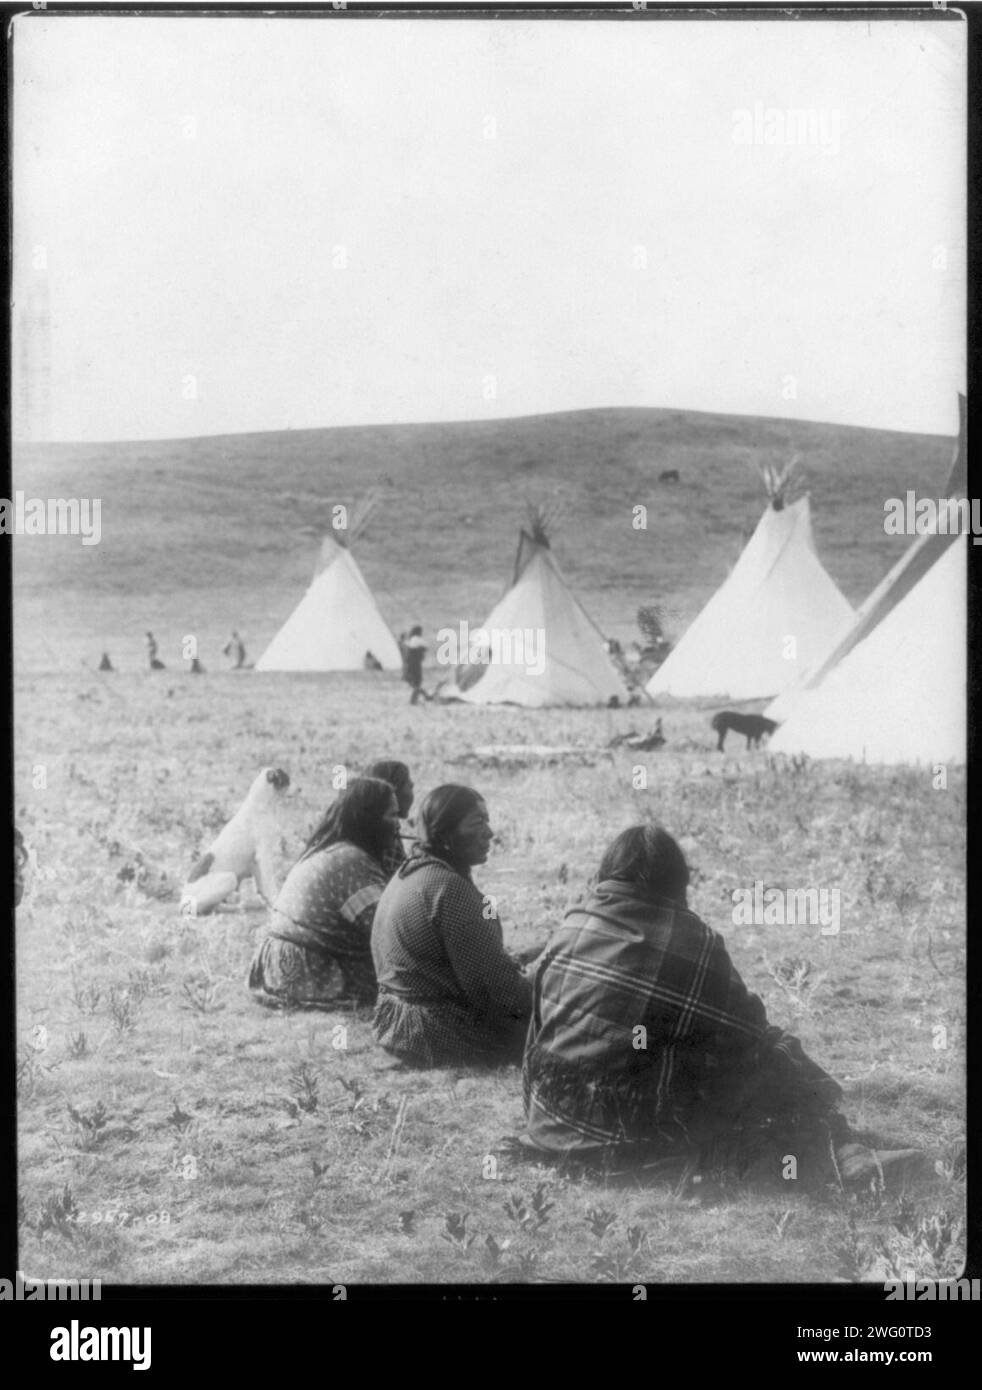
(643, 1034)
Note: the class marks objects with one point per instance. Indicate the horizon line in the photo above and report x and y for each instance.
(486, 420)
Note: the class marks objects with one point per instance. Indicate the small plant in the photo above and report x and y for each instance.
(456, 1232)
(798, 978)
(201, 994)
(304, 1088)
(783, 1221)
(123, 1009)
(607, 1265)
(89, 1125)
(355, 1091)
(493, 1250)
(637, 1239)
(529, 1214)
(599, 1221)
(78, 1045)
(145, 982)
(180, 1119)
(58, 1213)
(932, 1244)
(87, 997)
(854, 1256)
(28, 1074)
(906, 895)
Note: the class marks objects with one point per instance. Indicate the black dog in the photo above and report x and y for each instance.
(755, 726)
(670, 475)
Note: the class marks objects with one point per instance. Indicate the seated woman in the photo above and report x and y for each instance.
(448, 993)
(400, 780)
(646, 1043)
(318, 952)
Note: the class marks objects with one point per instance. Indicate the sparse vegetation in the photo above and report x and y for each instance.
(173, 1089)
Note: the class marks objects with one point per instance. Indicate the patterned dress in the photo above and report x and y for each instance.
(318, 953)
(449, 994)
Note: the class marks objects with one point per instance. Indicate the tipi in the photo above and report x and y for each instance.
(538, 646)
(898, 695)
(334, 624)
(777, 613)
(912, 566)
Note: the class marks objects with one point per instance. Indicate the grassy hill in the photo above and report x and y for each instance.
(199, 535)
(161, 1135)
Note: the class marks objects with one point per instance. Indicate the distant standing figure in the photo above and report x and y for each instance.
(413, 655)
(105, 664)
(371, 662)
(235, 648)
(154, 661)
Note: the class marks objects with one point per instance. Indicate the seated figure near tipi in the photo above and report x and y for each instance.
(234, 648)
(337, 621)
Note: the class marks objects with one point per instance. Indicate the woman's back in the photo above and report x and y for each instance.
(325, 893)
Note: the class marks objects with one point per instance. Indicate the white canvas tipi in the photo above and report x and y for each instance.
(909, 570)
(775, 616)
(898, 696)
(561, 656)
(335, 623)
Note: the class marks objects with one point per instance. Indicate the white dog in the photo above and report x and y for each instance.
(246, 848)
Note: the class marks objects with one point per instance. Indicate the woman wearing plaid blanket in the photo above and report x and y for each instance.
(448, 993)
(646, 1043)
(318, 952)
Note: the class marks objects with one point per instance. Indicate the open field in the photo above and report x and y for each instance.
(287, 1149)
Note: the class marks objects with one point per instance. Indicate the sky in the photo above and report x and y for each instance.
(228, 225)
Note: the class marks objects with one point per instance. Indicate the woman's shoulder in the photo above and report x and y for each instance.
(431, 875)
(335, 859)
(351, 856)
